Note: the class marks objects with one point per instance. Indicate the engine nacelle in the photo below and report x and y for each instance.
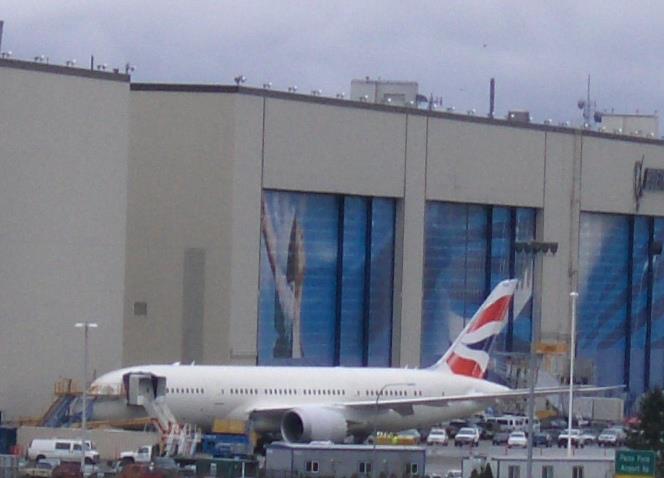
(302, 425)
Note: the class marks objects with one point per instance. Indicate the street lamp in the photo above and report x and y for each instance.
(85, 326)
(375, 432)
(533, 248)
(572, 352)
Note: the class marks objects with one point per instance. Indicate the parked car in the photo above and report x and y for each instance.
(500, 438)
(409, 437)
(487, 430)
(517, 439)
(588, 437)
(467, 436)
(437, 436)
(42, 469)
(558, 424)
(165, 463)
(454, 426)
(612, 437)
(142, 470)
(67, 470)
(542, 439)
(575, 436)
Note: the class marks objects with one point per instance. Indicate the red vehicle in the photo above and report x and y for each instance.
(141, 470)
(67, 470)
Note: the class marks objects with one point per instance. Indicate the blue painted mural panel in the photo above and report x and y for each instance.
(637, 346)
(353, 278)
(317, 298)
(523, 270)
(381, 282)
(298, 273)
(603, 284)
(657, 334)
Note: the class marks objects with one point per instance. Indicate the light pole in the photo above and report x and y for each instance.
(375, 432)
(572, 352)
(533, 248)
(85, 326)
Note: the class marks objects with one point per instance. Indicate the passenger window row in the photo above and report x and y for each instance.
(290, 391)
(185, 390)
(285, 391)
(392, 393)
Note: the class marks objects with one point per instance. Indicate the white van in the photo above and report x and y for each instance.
(64, 449)
(511, 423)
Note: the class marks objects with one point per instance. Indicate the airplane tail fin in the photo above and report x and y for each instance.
(469, 353)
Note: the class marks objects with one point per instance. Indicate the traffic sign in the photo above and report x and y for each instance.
(635, 463)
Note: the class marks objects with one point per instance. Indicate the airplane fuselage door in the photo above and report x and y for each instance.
(143, 387)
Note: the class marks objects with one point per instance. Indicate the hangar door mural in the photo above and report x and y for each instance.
(326, 279)
(621, 301)
(468, 249)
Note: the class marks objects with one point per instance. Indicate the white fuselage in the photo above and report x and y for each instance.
(201, 394)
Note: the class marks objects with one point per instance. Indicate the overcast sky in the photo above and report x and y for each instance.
(540, 52)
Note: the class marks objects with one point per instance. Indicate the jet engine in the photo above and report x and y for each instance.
(301, 425)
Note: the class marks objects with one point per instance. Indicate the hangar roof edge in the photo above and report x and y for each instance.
(63, 70)
(218, 88)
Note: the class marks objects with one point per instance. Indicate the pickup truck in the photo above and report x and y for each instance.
(142, 455)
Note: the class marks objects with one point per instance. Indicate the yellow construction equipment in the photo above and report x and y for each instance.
(235, 427)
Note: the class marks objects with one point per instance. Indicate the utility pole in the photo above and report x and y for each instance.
(84, 383)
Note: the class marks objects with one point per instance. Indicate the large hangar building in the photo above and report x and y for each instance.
(224, 224)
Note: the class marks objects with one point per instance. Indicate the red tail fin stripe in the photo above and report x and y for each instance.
(495, 312)
(489, 330)
(462, 366)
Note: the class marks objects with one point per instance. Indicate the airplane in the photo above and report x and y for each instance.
(330, 403)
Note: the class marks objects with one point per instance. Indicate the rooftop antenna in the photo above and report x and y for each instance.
(589, 109)
(492, 96)
(586, 110)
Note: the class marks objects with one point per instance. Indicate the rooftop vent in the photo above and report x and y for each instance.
(519, 116)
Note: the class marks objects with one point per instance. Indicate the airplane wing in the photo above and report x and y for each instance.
(477, 397)
(400, 404)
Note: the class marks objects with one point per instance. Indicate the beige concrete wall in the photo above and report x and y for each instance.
(556, 225)
(325, 148)
(482, 163)
(195, 169)
(409, 251)
(243, 231)
(178, 199)
(63, 163)
(611, 162)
